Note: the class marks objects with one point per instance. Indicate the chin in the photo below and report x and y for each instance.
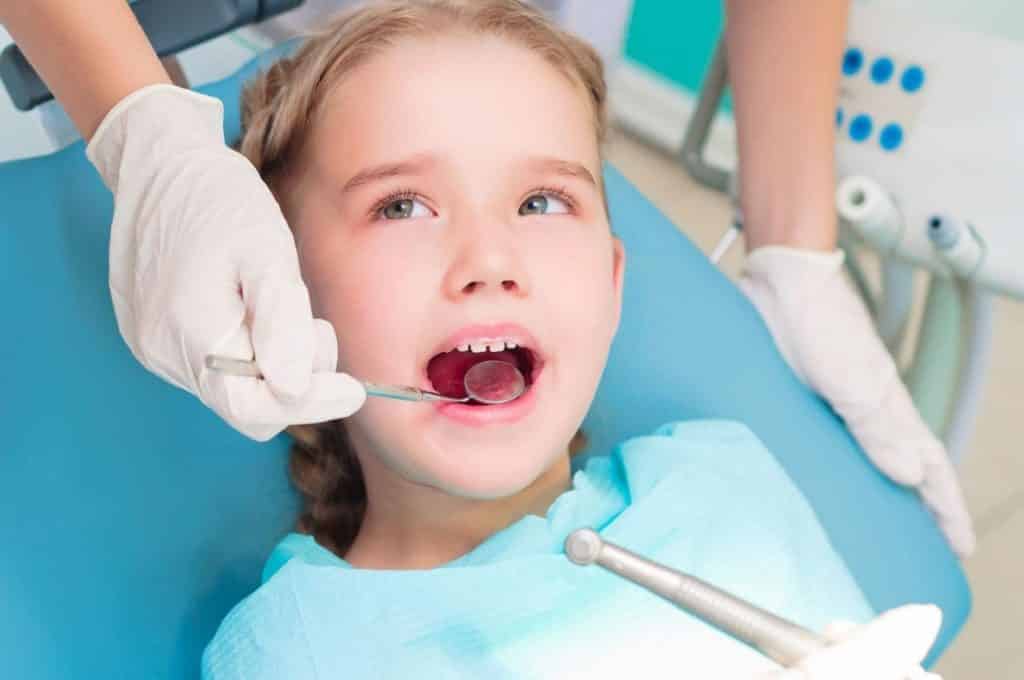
(492, 472)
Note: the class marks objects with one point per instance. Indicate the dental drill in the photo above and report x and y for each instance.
(780, 640)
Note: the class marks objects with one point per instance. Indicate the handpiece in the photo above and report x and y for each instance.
(781, 640)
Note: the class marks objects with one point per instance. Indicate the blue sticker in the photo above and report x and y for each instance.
(881, 70)
(852, 61)
(839, 117)
(912, 79)
(891, 136)
(860, 127)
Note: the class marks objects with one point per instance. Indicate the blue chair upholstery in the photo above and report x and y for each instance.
(134, 519)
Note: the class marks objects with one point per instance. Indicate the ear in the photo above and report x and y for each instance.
(618, 275)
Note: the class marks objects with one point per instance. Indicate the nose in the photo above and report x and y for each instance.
(487, 261)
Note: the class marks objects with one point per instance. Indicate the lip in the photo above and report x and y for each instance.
(498, 414)
(479, 416)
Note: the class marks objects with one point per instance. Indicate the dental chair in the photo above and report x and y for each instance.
(134, 518)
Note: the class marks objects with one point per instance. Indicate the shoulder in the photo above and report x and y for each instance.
(743, 523)
(303, 548)
(710, 452)
(263, 636)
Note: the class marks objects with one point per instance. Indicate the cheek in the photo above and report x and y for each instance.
(353, 282)
(578, 274)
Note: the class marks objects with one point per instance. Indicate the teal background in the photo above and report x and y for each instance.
(675, 39)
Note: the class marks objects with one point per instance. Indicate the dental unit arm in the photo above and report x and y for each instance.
(927, 161)
(912, 147)
(933, 149)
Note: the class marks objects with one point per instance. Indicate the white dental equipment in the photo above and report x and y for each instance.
(958, 244)
(929, 112)
(728, 238)
(489, 382)
(870, 211)
(780, 640)
(733, 233)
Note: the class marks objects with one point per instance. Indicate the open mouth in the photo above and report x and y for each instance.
(447, 370)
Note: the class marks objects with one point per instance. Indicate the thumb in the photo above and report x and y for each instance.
(283, 334)
(325, 358)
(887, 648)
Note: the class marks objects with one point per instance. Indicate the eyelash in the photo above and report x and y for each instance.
(400, 195)
(404, 194)
(560, 193)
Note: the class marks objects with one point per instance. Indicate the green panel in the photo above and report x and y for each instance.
(675, 38)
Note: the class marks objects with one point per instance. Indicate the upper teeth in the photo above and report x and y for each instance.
(487, 346)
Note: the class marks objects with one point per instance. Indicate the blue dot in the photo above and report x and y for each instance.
(881, 70)
(912, 79)
(839, 117)
(860, 127)
(891, 136)
(852, 61)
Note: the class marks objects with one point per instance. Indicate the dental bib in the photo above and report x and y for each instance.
(705, 497)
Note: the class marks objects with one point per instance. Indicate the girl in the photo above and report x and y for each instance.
(439, 163)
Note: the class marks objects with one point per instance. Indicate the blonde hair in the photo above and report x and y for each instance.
(278, 108)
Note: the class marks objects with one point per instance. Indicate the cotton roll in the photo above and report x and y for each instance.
(870, 210)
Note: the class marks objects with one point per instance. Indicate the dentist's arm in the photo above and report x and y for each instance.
(201, 259)
(784, 59)
(90, 54)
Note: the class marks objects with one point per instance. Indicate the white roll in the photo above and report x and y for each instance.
(870, 210)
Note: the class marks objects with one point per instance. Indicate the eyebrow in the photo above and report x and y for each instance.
(418, 165)
(560, 167)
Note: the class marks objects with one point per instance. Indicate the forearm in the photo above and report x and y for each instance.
(90, 54)
(784, 58)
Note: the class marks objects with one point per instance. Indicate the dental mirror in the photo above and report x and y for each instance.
(494, 382)
(489, 382)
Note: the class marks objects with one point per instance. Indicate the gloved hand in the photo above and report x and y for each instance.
(202, 262)
(824, 331)
(891, 647)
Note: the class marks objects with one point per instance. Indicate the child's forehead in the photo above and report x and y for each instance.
(484, 114)
(452, 73)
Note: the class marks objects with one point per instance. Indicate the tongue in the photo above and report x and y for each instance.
(448, 371)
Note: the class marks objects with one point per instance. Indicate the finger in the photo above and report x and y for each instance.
(906, 633)
(943, 495)
(282, 333)
(886, 434)
(325, 358)
(251, 401)
(887, 648)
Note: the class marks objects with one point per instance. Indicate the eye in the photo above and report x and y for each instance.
(543, 204)
(404, 208)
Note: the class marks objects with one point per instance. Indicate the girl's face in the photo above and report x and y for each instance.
(450, 194)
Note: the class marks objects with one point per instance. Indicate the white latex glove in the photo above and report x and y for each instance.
(891, 647)
(824, 331)
(202, 262)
